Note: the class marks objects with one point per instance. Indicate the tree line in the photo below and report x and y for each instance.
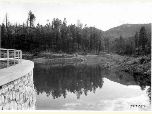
(57, 36)
(139, 44)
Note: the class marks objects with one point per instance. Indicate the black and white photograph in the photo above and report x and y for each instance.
(75, 55)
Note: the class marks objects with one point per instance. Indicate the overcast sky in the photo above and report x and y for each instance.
(103, 14)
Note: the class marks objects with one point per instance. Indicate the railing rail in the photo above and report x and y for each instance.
(10, 55)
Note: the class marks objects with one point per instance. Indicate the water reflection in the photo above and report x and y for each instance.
(90, 87)
(57, 81)
(144, 81)
(120, 77)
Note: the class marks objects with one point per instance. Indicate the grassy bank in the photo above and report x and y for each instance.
(47, 55)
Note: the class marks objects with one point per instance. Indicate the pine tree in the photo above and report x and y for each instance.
(142, 38)
(136, 42)
(31, 18)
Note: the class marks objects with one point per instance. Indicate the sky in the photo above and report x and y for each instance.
(102, 14)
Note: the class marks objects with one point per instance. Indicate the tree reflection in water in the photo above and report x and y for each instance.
(144, 81)
(57, 81)
(81, 79)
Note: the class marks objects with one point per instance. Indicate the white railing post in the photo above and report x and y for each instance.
(7, 58)
(20, 55)
(14, 56)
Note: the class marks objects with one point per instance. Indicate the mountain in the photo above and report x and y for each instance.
(126, 30)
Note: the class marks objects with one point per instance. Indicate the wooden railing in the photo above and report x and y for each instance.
(10, 56)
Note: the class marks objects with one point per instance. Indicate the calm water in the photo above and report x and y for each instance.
(88, 87)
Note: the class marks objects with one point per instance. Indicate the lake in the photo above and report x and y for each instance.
(88, 87)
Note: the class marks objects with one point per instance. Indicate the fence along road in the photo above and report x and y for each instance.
(11, 56)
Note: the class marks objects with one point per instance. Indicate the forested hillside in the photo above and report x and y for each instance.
(130, 39)
(126, 30)
(58, 36)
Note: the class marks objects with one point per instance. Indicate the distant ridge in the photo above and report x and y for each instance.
(125, 30)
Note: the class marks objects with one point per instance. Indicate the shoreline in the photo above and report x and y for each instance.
(108, 60)
(44, 60)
